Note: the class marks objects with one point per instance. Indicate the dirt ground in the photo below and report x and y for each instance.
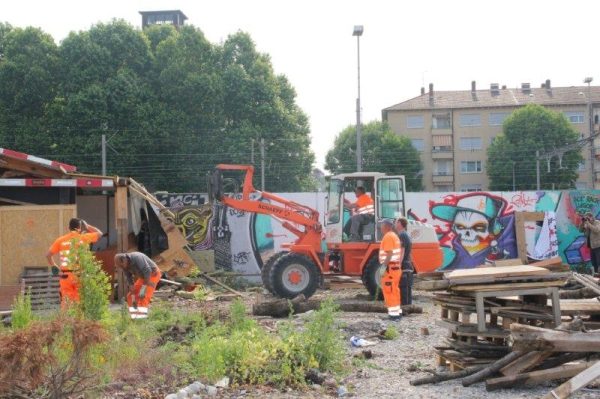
(394, 363)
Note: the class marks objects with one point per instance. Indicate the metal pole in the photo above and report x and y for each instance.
(262, 164)
(537, 168)
(103, 155)
(591, 127)
(358, 127)
(252, 153)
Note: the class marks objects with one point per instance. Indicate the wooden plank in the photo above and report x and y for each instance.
(492, 279)
(471, 329)
(576, 383)
(587, 283)
(508, 262)
(579, 307)
(543, 339)
(536, 377)
(501, 271)
(431, 285)
(508, 286)
(524, 363)
(550, 264)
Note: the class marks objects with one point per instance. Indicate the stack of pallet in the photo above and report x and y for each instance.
(479, 305)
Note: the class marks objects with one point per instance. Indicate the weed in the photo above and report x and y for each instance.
(200, 293)
(391, 333)
(94, 289)
(22, 314)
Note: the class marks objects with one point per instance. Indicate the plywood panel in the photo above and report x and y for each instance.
(501, 271)
(26, 233)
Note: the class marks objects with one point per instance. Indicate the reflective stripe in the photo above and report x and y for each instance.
(396, 256)
(368, 209)
(394, 311)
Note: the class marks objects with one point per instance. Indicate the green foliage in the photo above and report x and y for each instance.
(391, 333)
(528, 129)
(382, 151)
(22, 314)
(170, 93)
(94, 290)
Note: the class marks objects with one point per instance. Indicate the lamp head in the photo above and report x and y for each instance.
(588, 80)
(358, 30)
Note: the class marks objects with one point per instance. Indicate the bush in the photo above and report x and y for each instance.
(50, 359)
(22, 314)
(391, 333)
(94, 290)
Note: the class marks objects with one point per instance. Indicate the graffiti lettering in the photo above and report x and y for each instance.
(241, 258)
(521, 200)
(176, 200)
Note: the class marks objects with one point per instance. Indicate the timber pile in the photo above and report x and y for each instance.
(43, 290)
(538, 355)
(478, 334)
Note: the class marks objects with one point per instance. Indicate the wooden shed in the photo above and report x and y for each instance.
(39, 196)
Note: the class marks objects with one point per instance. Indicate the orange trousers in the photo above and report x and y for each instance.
(137, 286)
(69, 287)
(390, 287)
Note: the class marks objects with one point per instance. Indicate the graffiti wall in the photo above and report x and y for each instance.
(477, 227)
(473, 228)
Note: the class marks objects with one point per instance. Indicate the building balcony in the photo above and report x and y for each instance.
(442, 178)
(442, 154)
(436, 131)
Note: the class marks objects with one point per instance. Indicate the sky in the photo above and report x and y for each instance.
(405, 45)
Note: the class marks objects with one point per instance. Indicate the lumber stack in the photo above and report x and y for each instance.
(511, 294)
(43, 290)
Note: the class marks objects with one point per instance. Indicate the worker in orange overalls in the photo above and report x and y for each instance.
(390, 257)
(80, 233)
(364, 213)
(146, 273)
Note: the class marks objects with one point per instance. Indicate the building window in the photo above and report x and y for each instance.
(497, 118)
(441, 121)
(442, 148)
(581, 185)
(415, 122)
(581, 166)
(470, 143)
(574, 116)
(419, 144)
(443, 168)
(470, 120)
(470, 187)
(470, 167)
(444, 189)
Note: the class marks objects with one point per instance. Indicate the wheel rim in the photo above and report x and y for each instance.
(379, 275)
(295, 277)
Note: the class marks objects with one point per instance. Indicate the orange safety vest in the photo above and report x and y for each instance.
(390, 242)
(364, 205)
(62, 245)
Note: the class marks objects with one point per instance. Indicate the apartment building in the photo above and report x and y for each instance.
(453, 129)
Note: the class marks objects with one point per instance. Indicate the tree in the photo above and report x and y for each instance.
(383, 151)
(526, 130)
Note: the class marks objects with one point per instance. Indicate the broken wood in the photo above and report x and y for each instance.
(439, 377)
(561, 359)
(228, 288)
(542, 339)
(581, 293)
(535, 377)
(283, 307)
(575, 383)
(587, 282)
(431, 285)
(491, 369)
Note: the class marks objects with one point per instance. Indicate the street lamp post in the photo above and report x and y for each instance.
(358, 31)
(588, 80)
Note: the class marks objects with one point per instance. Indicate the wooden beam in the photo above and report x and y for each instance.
(542, 339)
(536, 377)
(520, 219)
(491, 369)
(576, 383)
(524, 363)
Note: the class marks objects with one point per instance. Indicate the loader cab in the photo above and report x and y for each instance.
(387, 193)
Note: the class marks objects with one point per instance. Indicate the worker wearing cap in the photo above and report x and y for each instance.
(590, 227)
(390, 257)
(80, 233)
(364, 213)
(407, 265)
(139, 267)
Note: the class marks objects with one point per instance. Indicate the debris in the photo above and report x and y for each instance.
(315, 376)
(439, 377)
(342, 391)
(222, 383)
(281, 307)
(536, 338)
(185, 294)
(424, 331)
(491, 369)
(211, 391)
(365, 354)
(576, 383)
(360, 342)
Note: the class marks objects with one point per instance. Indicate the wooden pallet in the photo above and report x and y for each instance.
(43, 290)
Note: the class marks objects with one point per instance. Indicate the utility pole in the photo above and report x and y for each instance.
(588, 80)
(262, 164)
(252, 153)
(537, 168)
(103, 155)
(513, 164)
(358, 31)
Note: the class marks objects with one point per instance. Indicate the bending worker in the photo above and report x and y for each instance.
(390, 257)
(407, 265)
(364, 213)
(146, 273)
(80, 233)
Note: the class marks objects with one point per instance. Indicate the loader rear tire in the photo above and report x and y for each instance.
(294, 274)
(371, 277)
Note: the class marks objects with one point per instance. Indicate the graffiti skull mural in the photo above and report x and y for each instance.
(473, 230)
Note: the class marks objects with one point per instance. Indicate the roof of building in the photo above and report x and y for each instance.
(503, 97)
(163, 12)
